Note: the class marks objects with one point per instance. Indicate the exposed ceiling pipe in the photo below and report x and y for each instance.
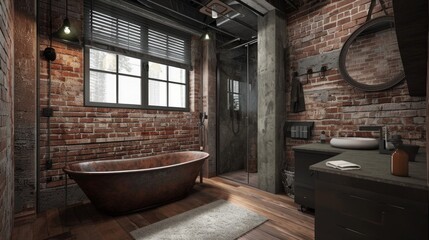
(250, 8)
(229, 42)
(190, 18)
(291, 4)
(226, 16)
(243, 44)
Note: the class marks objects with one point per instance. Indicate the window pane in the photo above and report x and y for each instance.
(157, 93)
(236, 102)
(158, 71)
(129, 90)
(129, 65)
(102, 87)
(176, 74)
(176, 95)
(102, 60)
(236, 86)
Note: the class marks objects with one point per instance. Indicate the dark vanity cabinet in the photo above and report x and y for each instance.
(304, 179)
(352, 208)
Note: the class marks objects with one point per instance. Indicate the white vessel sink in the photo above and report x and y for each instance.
(354, 143)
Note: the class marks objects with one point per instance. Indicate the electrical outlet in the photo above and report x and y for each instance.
(48, 112)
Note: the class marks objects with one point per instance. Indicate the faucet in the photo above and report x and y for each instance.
(372, 128)
(382, 143)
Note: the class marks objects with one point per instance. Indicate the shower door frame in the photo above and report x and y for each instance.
(246, 124)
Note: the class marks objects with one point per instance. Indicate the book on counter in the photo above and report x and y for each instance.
(342, 165)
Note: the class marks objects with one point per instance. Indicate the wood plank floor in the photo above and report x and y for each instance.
(85, 222)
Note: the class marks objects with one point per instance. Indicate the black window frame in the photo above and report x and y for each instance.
(144, 83)
(137, 41)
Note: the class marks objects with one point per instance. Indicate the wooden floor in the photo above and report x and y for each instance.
(85, 222)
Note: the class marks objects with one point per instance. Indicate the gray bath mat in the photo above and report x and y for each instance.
(218, 220)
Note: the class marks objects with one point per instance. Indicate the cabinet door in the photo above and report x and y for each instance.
(304, 179)
(304, 196)
(405, 221)
(303, 160)
(347, 209)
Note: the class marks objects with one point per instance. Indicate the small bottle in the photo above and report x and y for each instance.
(399, 158)
(322, 137)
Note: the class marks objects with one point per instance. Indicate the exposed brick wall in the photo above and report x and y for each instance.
(6, 118)
(80, 133)
(374, 58)
(321, 27)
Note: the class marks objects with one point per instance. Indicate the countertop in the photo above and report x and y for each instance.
(374, 166)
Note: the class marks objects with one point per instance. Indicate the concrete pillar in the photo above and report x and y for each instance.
(271, 100)
(25, 105)
(209, 103)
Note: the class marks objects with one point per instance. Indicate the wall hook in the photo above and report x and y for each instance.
(322, 72)
(309, 72)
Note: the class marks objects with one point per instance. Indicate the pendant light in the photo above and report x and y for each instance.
(66, 32)
(206, 36)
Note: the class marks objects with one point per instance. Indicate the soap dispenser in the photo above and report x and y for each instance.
(399, 158)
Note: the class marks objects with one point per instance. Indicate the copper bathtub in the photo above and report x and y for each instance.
(128, 185)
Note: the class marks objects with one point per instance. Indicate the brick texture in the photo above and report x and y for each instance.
(6, 119)
(336, 107)
(79, 133)
(374, 58)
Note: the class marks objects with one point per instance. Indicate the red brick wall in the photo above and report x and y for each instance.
(374, 58)
(90, 133)
(6, 119)
(337, 108)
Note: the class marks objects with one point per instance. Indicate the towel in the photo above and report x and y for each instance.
(297, 102)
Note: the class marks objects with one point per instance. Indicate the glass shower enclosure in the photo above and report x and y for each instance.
(237, 114)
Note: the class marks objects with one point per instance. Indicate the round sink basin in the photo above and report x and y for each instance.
(354, 143)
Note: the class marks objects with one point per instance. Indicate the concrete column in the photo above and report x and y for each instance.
(271, 100)
(209, 103)
(25, 106)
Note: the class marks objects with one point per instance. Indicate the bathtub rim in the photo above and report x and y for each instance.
(67, 170)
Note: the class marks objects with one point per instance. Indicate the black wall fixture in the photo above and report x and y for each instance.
(50, 55)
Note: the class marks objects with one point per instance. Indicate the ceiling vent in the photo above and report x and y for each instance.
(215, 9)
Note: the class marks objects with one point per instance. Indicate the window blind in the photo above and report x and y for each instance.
(112, 27)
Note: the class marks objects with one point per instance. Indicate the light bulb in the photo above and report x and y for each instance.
(206, 36)
(67, 30)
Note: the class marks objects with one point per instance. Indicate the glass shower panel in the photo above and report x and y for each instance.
(237, 111)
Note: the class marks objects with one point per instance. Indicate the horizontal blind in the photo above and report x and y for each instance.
(113, 27)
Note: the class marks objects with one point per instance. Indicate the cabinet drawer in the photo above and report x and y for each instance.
(304, 196)
(356, 213)
(363, 208)
(349, 233)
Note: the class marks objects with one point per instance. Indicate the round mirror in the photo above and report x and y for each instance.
(370, 59)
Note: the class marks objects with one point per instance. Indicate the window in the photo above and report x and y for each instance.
(167, 86)
(114, 78)
(233, 95)
(133, 62)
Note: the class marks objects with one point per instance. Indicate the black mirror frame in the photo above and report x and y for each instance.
(342, 60)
